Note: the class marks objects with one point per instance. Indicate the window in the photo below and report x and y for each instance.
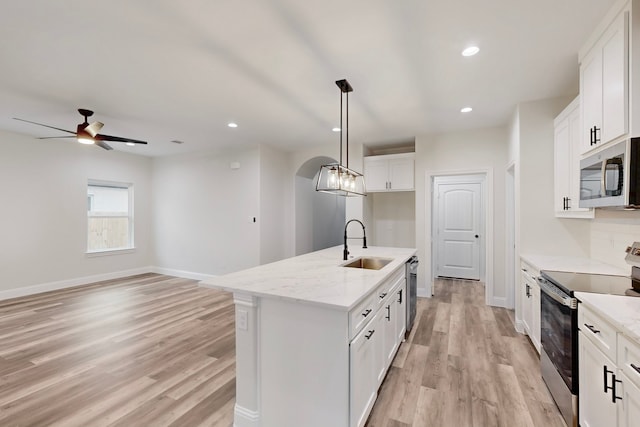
(109, 216)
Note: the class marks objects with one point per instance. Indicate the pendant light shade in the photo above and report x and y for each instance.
(337, 178)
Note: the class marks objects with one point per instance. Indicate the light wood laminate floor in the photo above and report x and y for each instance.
(464, 365)
(154, 350)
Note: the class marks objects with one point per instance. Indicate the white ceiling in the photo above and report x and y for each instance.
(163, 70)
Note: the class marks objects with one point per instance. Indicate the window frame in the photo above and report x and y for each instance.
(130, 248)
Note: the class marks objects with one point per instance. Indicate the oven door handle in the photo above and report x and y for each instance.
(566, 300)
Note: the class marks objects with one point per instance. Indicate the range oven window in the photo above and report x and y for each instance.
(556, 321)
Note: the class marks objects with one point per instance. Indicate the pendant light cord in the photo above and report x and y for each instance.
(341, 128)
(347, 129)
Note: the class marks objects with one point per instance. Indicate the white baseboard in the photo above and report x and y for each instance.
(519, 326)
(69, 283)
(245, 417)
(498, 302)
(182, 273)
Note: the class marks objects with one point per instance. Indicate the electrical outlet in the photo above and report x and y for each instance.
(242, 320)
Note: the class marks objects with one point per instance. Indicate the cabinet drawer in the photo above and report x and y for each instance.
(363, 313)
(384, 290)
(598, 330)
(629, 358)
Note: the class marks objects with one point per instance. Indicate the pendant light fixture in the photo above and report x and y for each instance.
(336, 178)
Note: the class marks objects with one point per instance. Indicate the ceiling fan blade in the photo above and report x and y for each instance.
(102, 137)
(47, 126)
(94, 128)
(57, 137)
(103, 144)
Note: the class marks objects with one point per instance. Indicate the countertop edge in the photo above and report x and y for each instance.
(621, 319)
(398, 262)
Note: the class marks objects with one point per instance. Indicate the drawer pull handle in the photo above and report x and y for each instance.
(366, 313)
(370, 334)
(606, 382)
(613, 389)
(400, 296)
(635, 368)
(592, 329)
(382, 295)
(388, 316)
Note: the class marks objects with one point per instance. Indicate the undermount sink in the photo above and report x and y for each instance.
(368, 263)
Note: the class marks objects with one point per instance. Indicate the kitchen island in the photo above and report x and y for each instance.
(314, 338)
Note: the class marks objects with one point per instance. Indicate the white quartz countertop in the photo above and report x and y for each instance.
(572, 264)
(315, 278)
(622, 311)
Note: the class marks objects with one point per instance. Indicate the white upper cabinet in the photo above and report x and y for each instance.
(567, 164)
(392, 172)
(604, 81)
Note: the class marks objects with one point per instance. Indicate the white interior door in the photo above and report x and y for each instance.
(459, 220)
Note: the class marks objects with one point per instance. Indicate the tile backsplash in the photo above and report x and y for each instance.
(611, 233)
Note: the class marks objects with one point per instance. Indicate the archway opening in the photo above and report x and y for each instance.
(319, 217)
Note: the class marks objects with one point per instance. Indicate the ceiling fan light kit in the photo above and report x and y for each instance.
(87, 133)
(336, 178)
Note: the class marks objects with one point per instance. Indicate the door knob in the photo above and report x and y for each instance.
(477, 236)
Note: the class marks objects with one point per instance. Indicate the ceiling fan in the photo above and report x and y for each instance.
(87, 133)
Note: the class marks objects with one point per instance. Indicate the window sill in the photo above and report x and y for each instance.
(110, 252)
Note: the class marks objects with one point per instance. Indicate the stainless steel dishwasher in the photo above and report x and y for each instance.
(412, 290)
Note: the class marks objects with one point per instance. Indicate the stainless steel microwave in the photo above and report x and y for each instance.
(610, 178)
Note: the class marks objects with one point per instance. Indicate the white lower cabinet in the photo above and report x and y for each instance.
(530, 301)
(374, 347)
(596, 405)
(362, 367)
(629, 408)
(609, 370)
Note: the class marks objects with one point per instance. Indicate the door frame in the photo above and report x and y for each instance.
(511, 261)
(486, 263)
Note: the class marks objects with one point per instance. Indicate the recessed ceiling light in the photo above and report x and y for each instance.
(232, 125)
(470, 51)
(336, 129)
(466, 110)
(130, 144)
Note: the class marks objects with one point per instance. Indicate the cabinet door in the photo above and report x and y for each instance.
(562, 162)
(574, 169)
(614, 79)
(401, 312)
(380, 342)
(629, 406)
(362, 381)
(527, 306)
(535, 315)
(591, 97)
(596, 407)
(390, 320)
(401, 174)
(376, 174)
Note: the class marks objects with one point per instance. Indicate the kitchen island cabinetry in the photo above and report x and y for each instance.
(314, 339)
(391, 172)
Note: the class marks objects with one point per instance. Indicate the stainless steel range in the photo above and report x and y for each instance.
(559, 327)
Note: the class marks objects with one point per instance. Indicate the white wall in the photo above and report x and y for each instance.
(273, 185)
(461, 152)
(540, 231)
(393, 219)
(44, 212)
(204, 212)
